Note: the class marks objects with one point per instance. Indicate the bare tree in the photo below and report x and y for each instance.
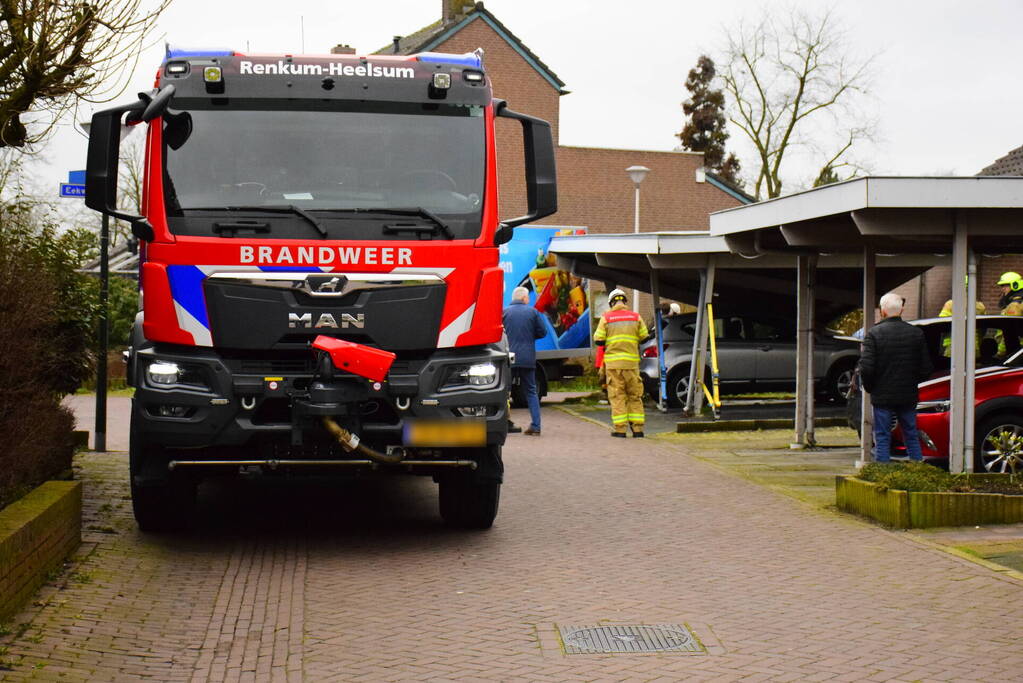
(55, 53)
(793, 83)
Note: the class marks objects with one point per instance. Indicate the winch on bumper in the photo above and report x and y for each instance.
(191, 398)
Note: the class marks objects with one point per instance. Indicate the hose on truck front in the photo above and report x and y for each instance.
(350, 442)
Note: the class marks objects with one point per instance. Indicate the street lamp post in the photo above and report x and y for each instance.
(100, 433)
(637, 174)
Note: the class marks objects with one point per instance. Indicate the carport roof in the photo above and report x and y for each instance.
(766, 280)
(890, 215)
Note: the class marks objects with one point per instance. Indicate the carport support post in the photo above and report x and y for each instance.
(805, 267)
(694, 396)
(957, 371)
(655, 291)
(971, 357)
(867, 416)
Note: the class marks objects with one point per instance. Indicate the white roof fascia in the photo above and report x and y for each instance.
(643, 243)
(821, 201)
(984, 192)
(683, 242)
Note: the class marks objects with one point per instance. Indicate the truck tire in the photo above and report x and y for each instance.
(468, 501)
(159, 506)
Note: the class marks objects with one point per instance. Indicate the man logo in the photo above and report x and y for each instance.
(305, 321)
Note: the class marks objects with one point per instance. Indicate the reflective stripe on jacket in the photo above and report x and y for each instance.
(620, 330)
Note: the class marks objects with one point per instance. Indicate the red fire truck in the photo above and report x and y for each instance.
(319, 273)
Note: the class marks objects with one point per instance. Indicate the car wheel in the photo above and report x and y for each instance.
(839, 380)
(999, 446)
(678, 384)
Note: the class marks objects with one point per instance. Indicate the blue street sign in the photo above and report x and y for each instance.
(76, 177)
(72, 190)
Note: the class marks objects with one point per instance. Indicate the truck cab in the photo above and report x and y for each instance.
(319, 273)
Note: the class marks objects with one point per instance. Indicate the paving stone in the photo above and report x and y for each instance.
(348, 580)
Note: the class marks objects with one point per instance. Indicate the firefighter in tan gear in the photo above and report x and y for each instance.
(617, 337)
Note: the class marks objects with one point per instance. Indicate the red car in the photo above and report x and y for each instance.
(998, 393)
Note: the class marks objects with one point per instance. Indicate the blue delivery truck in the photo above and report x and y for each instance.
(561, 297)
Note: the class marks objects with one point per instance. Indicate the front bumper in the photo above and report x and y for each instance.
(247, 400)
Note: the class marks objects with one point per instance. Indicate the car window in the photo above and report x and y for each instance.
(772, 330)
(996, 340)
(730, 329)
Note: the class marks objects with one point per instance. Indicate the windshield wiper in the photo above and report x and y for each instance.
(279, 208)
(437, 223)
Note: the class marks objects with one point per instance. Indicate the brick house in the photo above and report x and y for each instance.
(925, 295)
(593, 189)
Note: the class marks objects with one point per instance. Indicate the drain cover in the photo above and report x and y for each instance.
(621, 639)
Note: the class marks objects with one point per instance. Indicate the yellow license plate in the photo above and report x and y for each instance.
(445, 433)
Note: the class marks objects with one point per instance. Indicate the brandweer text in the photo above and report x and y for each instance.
(369, 256)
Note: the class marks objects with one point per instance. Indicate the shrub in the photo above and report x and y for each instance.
(909, 476)
(46, 311)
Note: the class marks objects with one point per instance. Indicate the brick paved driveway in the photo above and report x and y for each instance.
(342, 582)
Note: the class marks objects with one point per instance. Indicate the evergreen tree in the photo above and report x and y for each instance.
(704, 130)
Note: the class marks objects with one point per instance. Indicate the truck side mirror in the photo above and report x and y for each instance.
(541, 174)
(158, 102)
(102, 163)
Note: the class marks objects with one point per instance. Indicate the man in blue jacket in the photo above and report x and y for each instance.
(523, 326)
(893, 362)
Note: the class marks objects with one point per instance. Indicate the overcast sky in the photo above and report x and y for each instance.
(946, 87)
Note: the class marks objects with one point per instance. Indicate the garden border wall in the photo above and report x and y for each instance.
(916, 510)
(37, 533)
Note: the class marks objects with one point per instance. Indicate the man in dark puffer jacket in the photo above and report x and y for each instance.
(894, 361)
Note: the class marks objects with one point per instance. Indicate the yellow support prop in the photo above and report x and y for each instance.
(716, 400)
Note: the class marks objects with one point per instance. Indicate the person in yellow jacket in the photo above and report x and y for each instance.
(1011, 284)
(618, 336)
(946, 340)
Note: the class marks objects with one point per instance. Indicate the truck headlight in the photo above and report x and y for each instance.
(163, 373)
(476, 375)
(168, 374)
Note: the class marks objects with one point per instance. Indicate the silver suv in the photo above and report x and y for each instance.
(753, 352)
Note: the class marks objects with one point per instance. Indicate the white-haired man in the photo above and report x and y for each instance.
(893, 362)
(523, 326)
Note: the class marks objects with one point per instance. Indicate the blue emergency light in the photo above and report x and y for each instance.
(468, 59)
(183, 53)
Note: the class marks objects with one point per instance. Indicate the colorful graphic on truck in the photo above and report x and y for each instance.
(559, 295)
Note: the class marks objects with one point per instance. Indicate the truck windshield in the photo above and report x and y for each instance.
(333, 161)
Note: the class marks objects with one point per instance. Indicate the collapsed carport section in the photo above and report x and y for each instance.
(697, 267)
(902, 218)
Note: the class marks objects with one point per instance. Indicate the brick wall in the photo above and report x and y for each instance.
(593, 188)
(525, 90)
(37, 533)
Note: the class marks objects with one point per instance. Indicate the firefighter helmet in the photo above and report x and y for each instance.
(616, 295)
(1012, 279)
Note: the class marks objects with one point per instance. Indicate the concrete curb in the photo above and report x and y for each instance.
(37, 532)
(750, 425)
